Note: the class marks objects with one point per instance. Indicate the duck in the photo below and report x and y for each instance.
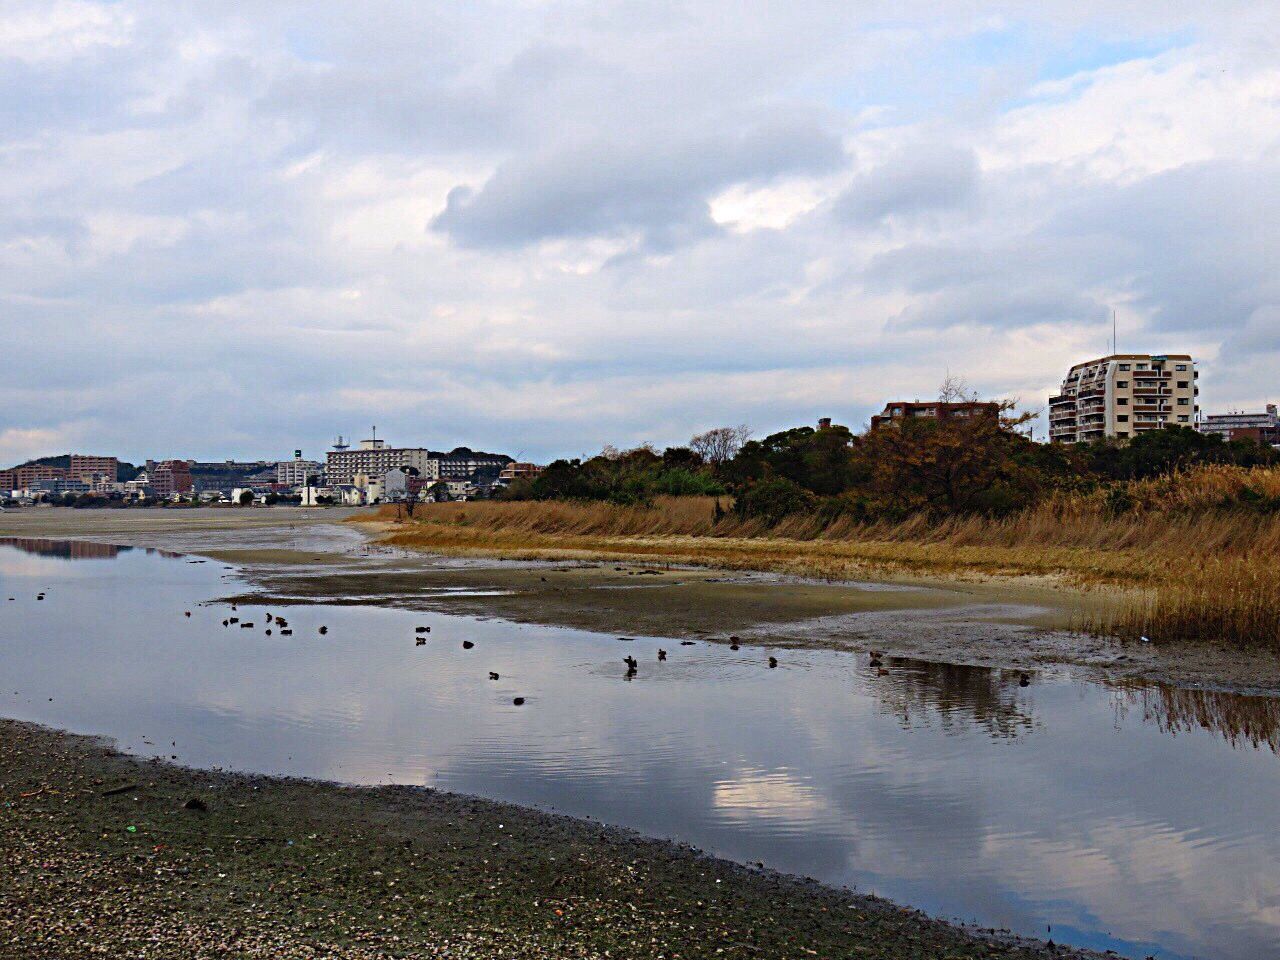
(421, 629)
(188, 613)
(268, 631)
(662, 654)
(518, 701)
(734, 646)
(1024, 680)
(467, 644)
(492, 675)
(773, 662)
(877, 662)
(632, 665)
(686, 643)
(420, 642)
(286, 632)
(324, 630)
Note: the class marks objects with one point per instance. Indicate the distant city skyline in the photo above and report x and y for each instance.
(230, 231)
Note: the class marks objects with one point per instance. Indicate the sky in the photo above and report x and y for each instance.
(231, 230)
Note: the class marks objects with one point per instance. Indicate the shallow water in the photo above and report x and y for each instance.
(1141, 819)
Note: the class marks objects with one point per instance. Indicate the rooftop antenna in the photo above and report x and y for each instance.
(1113, 331)
(340, 444)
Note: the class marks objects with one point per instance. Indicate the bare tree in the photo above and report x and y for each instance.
(721, 444)
(956, 390)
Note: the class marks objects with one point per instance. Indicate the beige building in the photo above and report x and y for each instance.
(1123, 395)
(374, 458)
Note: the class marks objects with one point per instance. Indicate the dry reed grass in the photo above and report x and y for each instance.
(1194, 563)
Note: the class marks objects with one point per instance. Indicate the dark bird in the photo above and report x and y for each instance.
(246, 626)
(421, 629)
(877, 662)
(233, 619)
(733, 639)
(226, 623)
(492, 675)
(1024, 680)
(324, 630)
(518, 701)
(188, 613)
(233, 606)
(773, 662)
(421, 642)
(876, 654)
(286, 632)
(467, 644)
(686, 643)
(734, 646)
(39, 596)
(632, 665)
(662, 654)
(268, 631)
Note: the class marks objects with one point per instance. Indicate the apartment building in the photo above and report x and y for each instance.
(373, 458)
(1263, 427)
(296, 472)
(1123, 395)
(898, 411)
(89, 469)
(22, 478)
(167, 477)
(461, 463)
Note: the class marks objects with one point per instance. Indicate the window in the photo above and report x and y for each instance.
(1183, 419)
(1122, 433)
(1183, 401)
(1183, 384)
(1124, 366)
(1142, 366)
(1122, 384)
(1181, 368)
(1122, 401)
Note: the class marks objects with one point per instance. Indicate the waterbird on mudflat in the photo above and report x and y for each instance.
(773, 662)
(420, 642)
(467, 644)
(518, 701)
(632, 665)
(662, 654)
(1024, 680)
(286, 632)
(421, 629)
(734, 646)
(324, 630)
(686, 643)
(188, 613)
(876, 662)
(492, 675)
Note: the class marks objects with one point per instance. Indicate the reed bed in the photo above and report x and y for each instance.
(1194, 554)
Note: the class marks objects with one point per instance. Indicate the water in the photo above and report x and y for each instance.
(1141, 819)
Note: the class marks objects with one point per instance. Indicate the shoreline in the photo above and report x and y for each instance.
(282, 867)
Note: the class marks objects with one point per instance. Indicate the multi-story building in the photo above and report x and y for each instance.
(1263, 427)
(462, 463)
(1123, 395)
(296, 472)
(937, 410)
(22, 478)
(373, 458)
(519, 471)
(167, 477)
(91, 470)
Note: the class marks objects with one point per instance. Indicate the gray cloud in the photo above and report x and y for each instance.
(658, 185)
(919, 179)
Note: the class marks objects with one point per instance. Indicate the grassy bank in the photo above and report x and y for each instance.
(1191, 555)
(289, 869)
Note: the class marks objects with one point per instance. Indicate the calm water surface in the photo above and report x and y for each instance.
(1140, 819)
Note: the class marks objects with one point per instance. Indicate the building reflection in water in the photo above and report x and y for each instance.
(65, 549)
(954, 696)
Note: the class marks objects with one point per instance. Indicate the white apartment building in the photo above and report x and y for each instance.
(1123, 395)
(296, 472)
(373, 458)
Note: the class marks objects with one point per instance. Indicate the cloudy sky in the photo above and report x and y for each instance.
(538, 226)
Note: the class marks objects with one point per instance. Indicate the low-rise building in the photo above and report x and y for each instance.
(1263, 427)
(1123, 395)
(519, 471)
(896, 412)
